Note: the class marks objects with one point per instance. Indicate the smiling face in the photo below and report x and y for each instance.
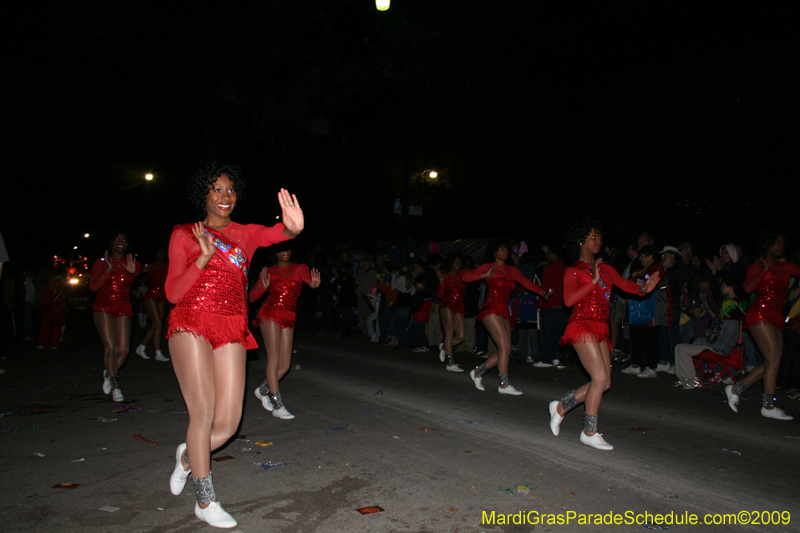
(221, 197)
(119, 245)
(456, 266)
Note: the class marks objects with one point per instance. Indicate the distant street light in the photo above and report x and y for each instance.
(148, 177)
(86, 235)
(432, 174)
(382, 5)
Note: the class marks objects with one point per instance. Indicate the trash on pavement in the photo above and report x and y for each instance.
(370, 509)
(108, 509)
(66, 485)
(139, 437)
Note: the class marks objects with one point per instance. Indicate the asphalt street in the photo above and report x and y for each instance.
(382, 427)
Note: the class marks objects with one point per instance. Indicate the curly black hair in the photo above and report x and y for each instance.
(492, 247)
(200, 183)
(449, 260)
(576, 234)
(767, 238)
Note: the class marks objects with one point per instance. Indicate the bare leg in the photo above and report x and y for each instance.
(596, 359)
(460, 329)
(122, 324)
(449, 326)
(500, 330)
(106, 327)
(271, 331)
(155, 310)
(212, 384)
(287, 338)
(770, 342)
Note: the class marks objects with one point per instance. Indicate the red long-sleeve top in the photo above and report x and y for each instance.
(590, 301)
(499, 288)
(285, 285)
(451, 293)
(770, 287)
(184, 250)
(156, 276)
(114, 285)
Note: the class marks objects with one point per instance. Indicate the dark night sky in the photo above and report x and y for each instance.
(677, 118)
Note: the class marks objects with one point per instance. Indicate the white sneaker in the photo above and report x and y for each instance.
(555, 418)
(540, 364)
(509, 389)
(215, 515)
(454, 368)
(662, 367)
(689, 385)
(140, 350)
(733, 399)
(748, 368)
(106, 383)
(671, 370)
(477, 380)
(596, 441)
(633, 370)
(556, 362)
(161, 357)
(178, 478)
(282, 413)
(646, 373)
(265, 401)
(776, 413)
(40, 347)
(116, 395)
(441, 352)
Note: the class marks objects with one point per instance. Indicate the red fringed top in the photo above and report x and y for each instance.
(156, 276)
(770, 285)
(285, 285)
(590, 302)
(116, 285)
(451, 292)
(499, 287)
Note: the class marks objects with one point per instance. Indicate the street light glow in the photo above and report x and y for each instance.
(382, 5)
(433, 174)
(86, 235)
(148, 177)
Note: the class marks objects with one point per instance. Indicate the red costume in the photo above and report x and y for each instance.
(115, 287)
(211, 303)
(589, 319)
(451, 292)
(54, 307)
(499, 288)
(770, 287)
(156, 276)
(285, 285)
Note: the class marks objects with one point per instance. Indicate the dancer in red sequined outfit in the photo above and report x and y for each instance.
(112, 276)
(501, 279)
(155, 304)
(451, 292)
(587, 287)
(769, 278)
(207, 330)
(276, 319)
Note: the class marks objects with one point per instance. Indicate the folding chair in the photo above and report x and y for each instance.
(706, 363)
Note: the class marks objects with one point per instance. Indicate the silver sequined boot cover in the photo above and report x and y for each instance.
(114, 380)
(739, 388)
(277, 401)
(450, 359)
(569, 401)
(504, 380)
(264, 388)
(204, 489)
(589, 423)
(767, 401)
(481, 370)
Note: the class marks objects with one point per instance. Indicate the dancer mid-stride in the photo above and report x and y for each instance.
(501, 279)
(769, 278)
(451, 292)
(276, 319)
(208, 334)
(587, 288)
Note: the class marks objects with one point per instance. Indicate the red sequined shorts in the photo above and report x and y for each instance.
(760, 315)
(585, 331)
(113, 307)
(217, 330)
(285, 319)
(494, 309)
(453, 306)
